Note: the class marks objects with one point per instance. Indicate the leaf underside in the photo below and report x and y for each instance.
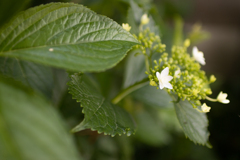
(65, 35)
(100, 114)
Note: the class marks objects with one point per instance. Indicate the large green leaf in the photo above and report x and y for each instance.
(30, 128)
(65, 35)
(193, 122)
(100, 114)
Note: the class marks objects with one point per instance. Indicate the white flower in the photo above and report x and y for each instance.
(144, 19)
(164, 79)
(176, 74)
(126, 27)
(222, 98)
(205, 108)
(198, 56)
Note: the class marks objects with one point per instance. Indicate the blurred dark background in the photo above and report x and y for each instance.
(221, 18)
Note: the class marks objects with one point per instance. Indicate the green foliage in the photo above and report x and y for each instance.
(155, 126)
(30, 128)
(100, 114)
(134, 19)
(193, 122)
(134, 69)
(76, 39)
(34, 75)
(153, 97)
(65, 35)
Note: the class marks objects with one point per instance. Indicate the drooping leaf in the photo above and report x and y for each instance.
(153, 97)
(193, 122)
(30, 128)
(65, 35)
(99, 114)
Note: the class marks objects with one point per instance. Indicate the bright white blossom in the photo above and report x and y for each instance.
(126, 27)
(205, 108)
(144, 19)
(164, 78)
(222, 98)
(198, 56)
(176, 74)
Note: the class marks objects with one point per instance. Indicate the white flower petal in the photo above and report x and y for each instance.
(222, 97)
(164, 78)
(165, 72)
(176, 74)
(168, 85)
(195, 50)
(205, 108)
(161, 85)
(158, 75)
(198, 56)
(226, 101)
(168, 78)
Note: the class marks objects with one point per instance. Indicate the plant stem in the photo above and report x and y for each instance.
(211, 99)
(147, 64)
(129, 90)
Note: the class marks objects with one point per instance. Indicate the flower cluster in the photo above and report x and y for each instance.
(150, 43)
(178, 72)
(188, 81)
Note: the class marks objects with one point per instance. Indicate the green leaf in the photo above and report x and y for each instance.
(65, 35)
(134, 19)
(36, 76)
(134, 70)
(100, 114)
(48, 81)
(155, 125)
(153, 97)
(193, 122)
(30, 128)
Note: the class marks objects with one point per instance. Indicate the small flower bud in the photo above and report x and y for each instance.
(144, 19)
(126, 27)
(152, 83)
(187, 43)
(222, 97)
(212, 79)
(205, 108)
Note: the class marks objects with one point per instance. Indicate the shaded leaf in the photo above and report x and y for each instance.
(33, 75)
(156, 125)
(153, 97)
(50, 82)
(194, 123)
(100, 114)
(134, 70)
(30, 128)
(65, 35)
(134, 19)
